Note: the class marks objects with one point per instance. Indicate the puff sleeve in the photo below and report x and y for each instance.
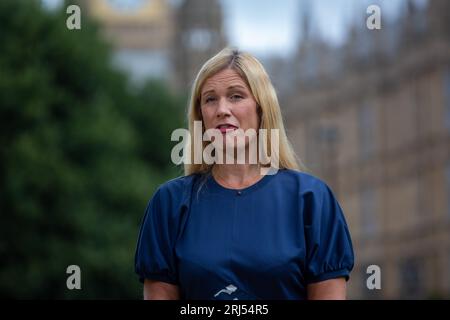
(329, 250)
(154, 258)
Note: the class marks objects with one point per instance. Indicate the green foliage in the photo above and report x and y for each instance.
(80, 155)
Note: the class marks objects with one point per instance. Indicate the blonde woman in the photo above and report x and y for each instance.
(227, 230)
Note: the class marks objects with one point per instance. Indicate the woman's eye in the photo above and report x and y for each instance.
(236, 97)
(209, 99)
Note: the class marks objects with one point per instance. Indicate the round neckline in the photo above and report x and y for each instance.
(260, 183)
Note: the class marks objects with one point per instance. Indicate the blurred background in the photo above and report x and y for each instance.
(86, 117)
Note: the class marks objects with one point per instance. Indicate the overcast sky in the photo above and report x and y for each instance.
(269, 26)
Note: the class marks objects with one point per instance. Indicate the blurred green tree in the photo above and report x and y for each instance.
(81, 152)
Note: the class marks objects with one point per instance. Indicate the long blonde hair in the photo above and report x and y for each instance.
(254, 74)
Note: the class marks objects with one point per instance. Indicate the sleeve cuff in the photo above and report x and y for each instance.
(342, 273)
(158, 277)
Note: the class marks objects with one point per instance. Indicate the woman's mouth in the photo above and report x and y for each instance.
(224, 128)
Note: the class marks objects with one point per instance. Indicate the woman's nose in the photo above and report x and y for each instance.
(223, 108)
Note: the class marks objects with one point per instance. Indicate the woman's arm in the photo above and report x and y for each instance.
(333, 289)
(158, 290)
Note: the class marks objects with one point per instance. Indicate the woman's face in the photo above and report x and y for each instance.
(227, 103)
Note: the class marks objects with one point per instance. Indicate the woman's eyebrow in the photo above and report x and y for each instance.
(209, 91)
(238, 86)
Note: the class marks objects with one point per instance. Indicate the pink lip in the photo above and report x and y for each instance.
(224, 128)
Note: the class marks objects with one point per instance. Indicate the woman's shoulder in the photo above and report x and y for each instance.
(178, 182)
(305, 180)
(178, 185)
(174, 193)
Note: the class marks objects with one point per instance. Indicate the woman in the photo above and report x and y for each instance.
(225, 231)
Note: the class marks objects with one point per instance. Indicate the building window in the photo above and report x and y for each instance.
(411, 279)
(327, 139)
(447, 176)
(367, 129)
(448, 273)
(447, 97)
(368, 213)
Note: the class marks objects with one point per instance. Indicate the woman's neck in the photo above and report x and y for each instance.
(236, 176)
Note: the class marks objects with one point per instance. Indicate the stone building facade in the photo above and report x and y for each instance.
(372, 119)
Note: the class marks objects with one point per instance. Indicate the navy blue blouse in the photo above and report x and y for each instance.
(267, 241)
